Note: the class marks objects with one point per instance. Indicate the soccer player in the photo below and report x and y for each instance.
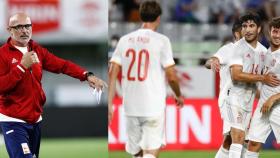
(246, 70)
(267, 114)
(144, 58)
(220, 63)
(22, 62)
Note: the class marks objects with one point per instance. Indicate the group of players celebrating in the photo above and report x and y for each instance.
(247, 71)
(145, 59)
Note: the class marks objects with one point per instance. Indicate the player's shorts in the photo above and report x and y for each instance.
(261, 125)
(237, 117)
(145, 133)
(226, 124)
(22, 140)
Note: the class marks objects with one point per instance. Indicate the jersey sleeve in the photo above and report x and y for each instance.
(236, 58)
(116, 57)
(222, 54)
(166, 57)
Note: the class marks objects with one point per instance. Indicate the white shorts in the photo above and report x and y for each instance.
(145, 133)
(237, 117)
(226, 124)
(262, 125)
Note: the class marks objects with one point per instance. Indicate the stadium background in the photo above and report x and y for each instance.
(195, 130)
(74, 125)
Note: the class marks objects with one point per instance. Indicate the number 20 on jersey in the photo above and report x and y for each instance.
(143, 56)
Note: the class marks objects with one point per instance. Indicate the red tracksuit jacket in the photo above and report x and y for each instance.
(21, 93)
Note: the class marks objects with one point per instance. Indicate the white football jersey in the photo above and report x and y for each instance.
(224, 55)
(252, 59)
(143, 56)
(272, 65)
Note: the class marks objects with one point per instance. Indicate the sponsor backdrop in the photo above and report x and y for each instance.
(196, 126)
(54, 19)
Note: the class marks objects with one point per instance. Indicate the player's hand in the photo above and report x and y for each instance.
(271, 80)
(29, 58)
(215, 65)
(179, 101)
(110, 113)
(267, 105)
(97, 83)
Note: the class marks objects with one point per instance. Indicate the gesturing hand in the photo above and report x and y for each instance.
(97, 83)
(215, 65)
(29, 58)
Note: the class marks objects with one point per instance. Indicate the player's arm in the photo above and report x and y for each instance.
(113, 73)
(270, 102)
(258, 92)
(220, 57)
(257, 96)
(174, 84)
(238, 75)
(213, 63)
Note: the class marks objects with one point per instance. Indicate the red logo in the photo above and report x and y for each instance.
(45, 14)
(248, 55)
(87, 18)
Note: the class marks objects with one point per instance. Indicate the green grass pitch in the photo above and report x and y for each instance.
(97, 148)
(70, 148)
(192, 154)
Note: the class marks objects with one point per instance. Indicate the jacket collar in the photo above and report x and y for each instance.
(30, 46)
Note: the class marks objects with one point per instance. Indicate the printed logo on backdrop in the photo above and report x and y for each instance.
(88, 9)
(45, 14)
(91, 19)
(195, 126)
(184, 80)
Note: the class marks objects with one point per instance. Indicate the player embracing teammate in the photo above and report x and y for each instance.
(267, 114)
(220, 63)
(249, 68)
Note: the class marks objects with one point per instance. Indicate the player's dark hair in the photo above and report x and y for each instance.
(149, 11)
(236, 27)
(275, 22)
(251, 16)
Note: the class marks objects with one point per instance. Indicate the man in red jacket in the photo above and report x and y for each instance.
(21, 95)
